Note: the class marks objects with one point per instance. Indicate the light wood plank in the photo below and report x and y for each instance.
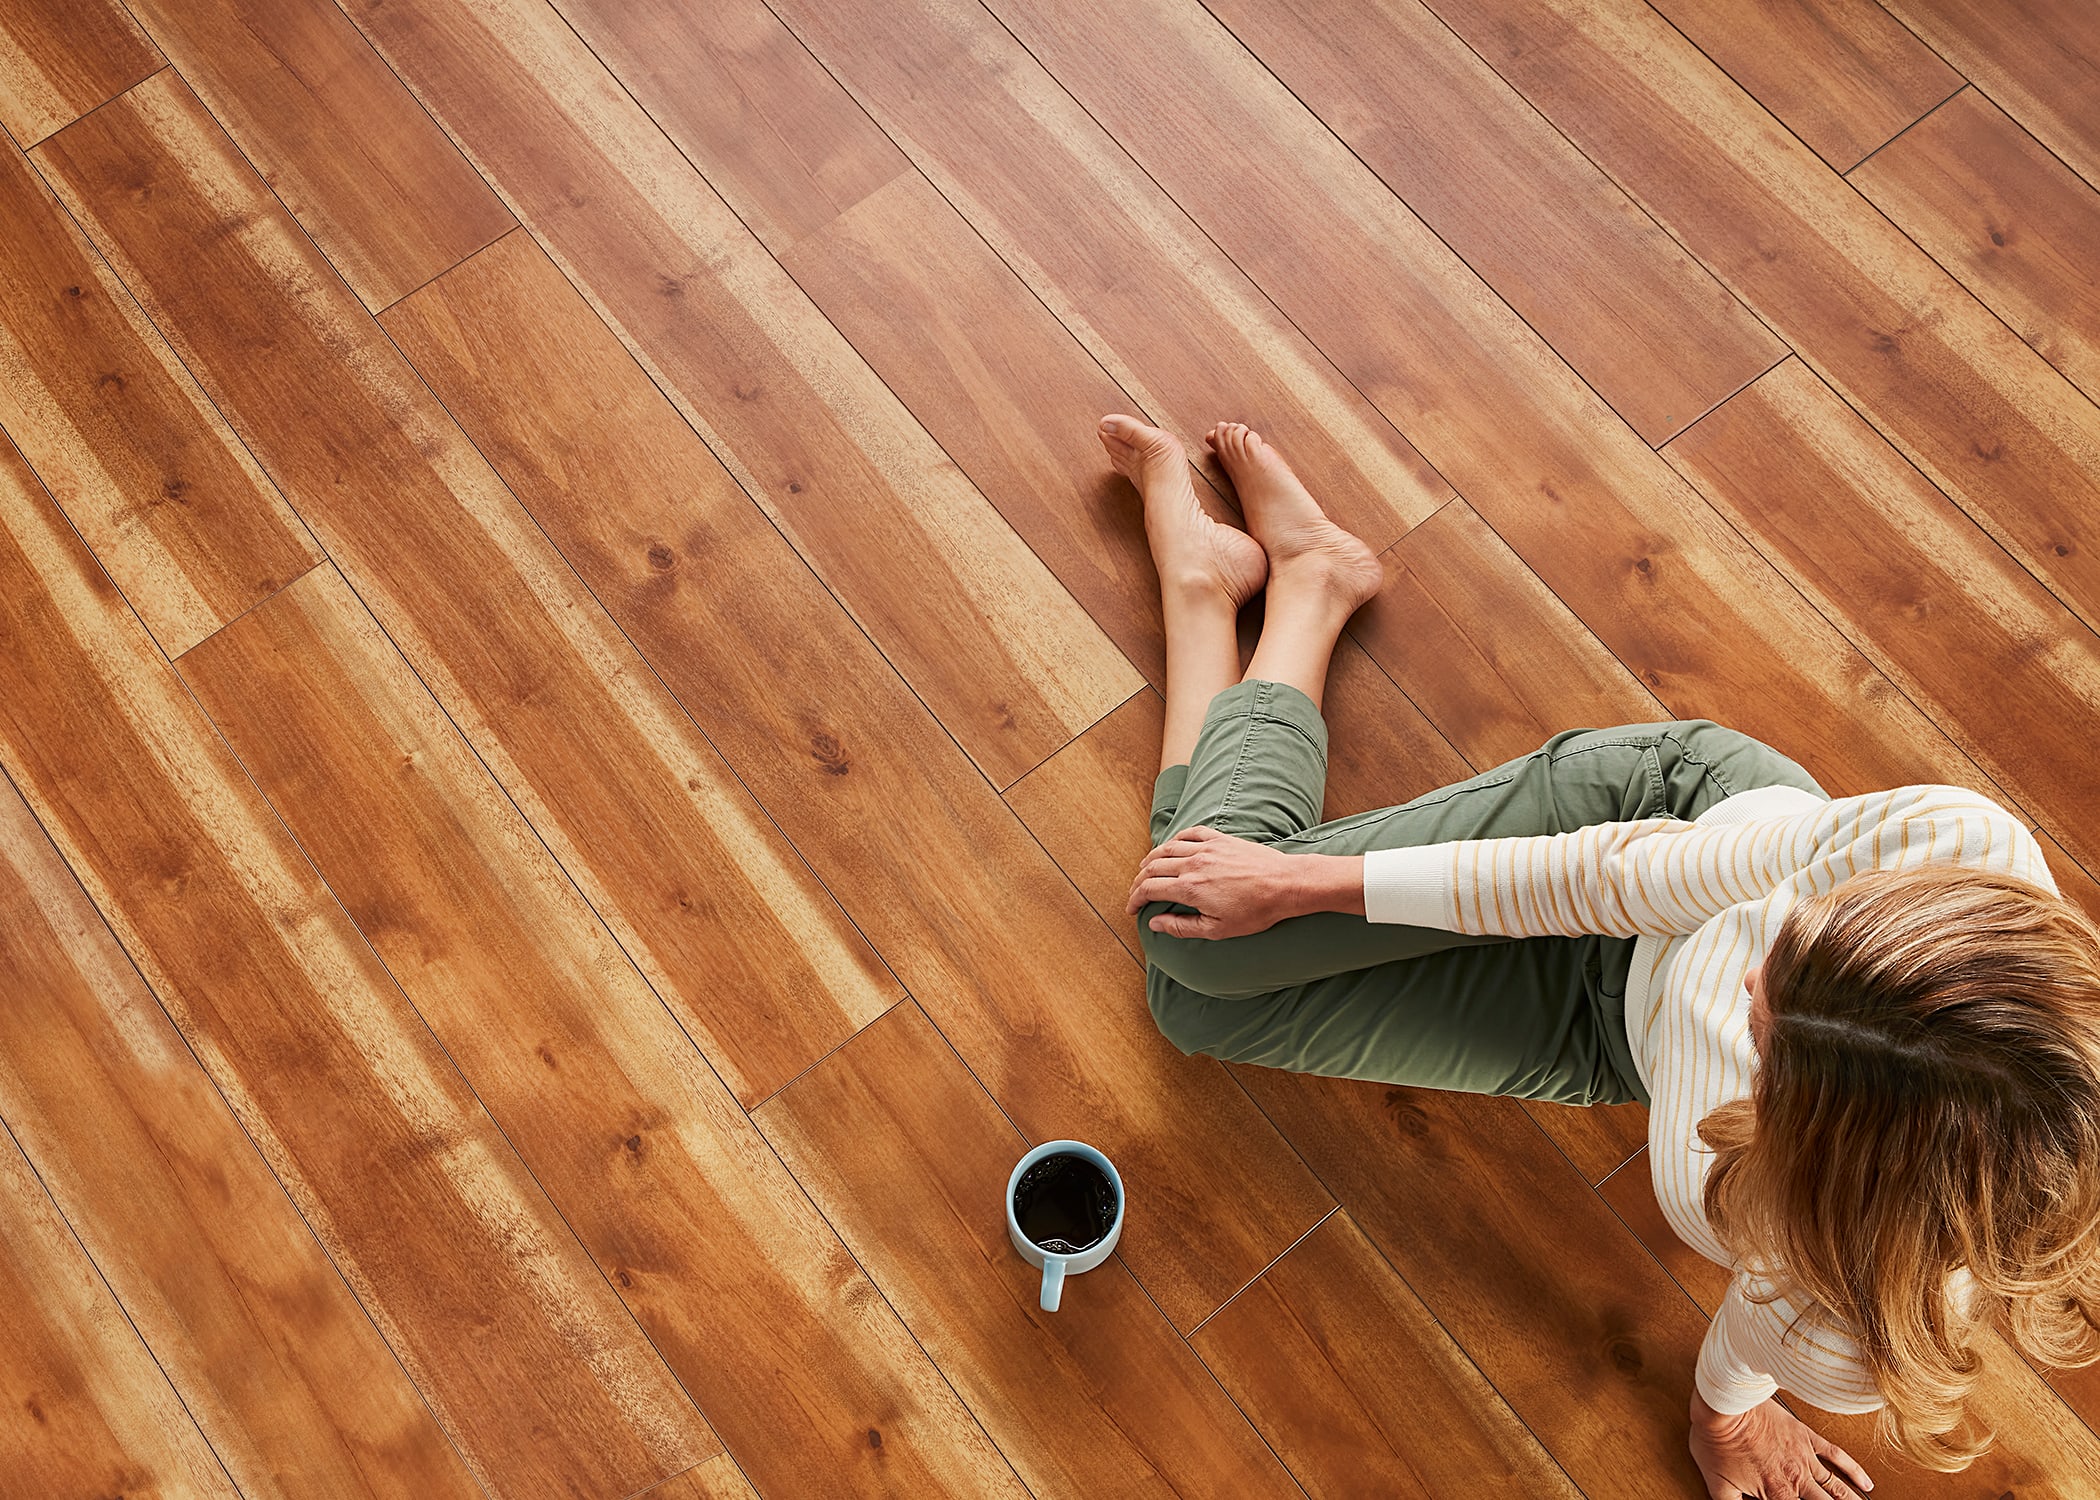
(909, 1157)
(1357, 1387)
(2039, 59)
(1643, 322)
(1004, 656)
(709, 1241)
(83, 1408)
(273, 1357)
(61, 58)
(1173, 321)
(976, 920)
(2018, 227)
(1982, 415)
(697, 882)
(1999, 664)
(525, 1356)
(717, 1479)
(171, 503)
(1844, 75)
(385, 195)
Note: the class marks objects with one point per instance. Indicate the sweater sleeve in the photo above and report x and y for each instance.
(1750, 1352)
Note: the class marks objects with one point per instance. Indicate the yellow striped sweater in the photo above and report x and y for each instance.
(1704, 899)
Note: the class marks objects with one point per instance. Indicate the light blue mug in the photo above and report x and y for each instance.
(1056, 1267)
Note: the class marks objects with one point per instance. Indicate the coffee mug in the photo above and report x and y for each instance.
(1058, 1264)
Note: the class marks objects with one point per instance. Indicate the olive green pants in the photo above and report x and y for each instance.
(1539, 1018)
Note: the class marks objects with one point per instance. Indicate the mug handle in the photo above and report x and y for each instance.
(1053, 1282)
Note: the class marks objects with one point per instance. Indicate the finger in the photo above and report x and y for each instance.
(1160, 888)
(1201, 832)
(1174, 924)
(1850, 1467)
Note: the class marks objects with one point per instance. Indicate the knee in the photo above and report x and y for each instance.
(1180, 1013)
(1190, 964)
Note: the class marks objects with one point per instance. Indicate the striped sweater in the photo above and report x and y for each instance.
(1704, 899)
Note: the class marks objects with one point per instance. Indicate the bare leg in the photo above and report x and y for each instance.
(1319, 574)
(1206, 572)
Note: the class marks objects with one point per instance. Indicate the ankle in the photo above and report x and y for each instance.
(1195, 593)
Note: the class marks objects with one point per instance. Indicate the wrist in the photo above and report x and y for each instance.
(1708, 1420)
(1328, 882)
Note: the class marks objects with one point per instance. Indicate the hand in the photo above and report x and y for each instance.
(1768, 1453)
(1237, 885)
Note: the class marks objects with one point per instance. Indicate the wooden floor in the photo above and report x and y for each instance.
(578, 700)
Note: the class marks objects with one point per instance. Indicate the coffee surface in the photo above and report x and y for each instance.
(1065, 1204)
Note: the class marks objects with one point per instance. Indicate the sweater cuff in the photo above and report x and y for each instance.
(1410, 886)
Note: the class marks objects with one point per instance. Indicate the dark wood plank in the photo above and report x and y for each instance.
(1844, 75)
(1980, 413)
(709, 1241)
(1003, 655)
(525, 1355)
(693, 877)
(2000, 664)
(1170, 318)
(385, 195)
(83, 1409)
(2039, 59)
(61, 58)
(2072, 879)
(1357, 1387)
(909, 1157)
(2019, 228)
(170, 502)
(1644, 323)
(271, 1354)
(974, 917)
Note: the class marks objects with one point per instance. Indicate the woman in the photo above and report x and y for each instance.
(1868, 1030)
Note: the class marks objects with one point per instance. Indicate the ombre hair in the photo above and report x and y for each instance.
(1927, 1100)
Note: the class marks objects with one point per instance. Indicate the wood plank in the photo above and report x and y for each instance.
(1982, 415)
(525, 1356)
(2076, 884)
(1515, 1255)
(2012, 222)
(61, 58)
(269, 1350)
(717, 1479)
(636, 804)
(170, 501)
(83, 1408)
(389, 200)
(1643, 322)
(1357, 1387)
(909, 1157)
(1003, 655)
(1844, 75)
(1170, 318)
(2000, 665)
(711, 1244)
(1037, 997)
(2038, 59)
(1666, 585)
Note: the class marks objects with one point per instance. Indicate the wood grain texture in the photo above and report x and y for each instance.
(694, 878)
(1359, 1390)
(2012, 222)
(2039, 59)
(388, 199)
(708, 1240)
(1981, 414)
(1671, 589)
(524, 1354)
(1844, 75)
(1643, 322)
(717, 1479)
(83, 1408)
(909, 1157)
(1999, 663)
(61, 58)
(1006, 659)
(1515, 1255)
(271, 1354)
(970, 912)
(1172, 320)
(170, 502)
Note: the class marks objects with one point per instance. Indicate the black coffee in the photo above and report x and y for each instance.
(1065, 1204)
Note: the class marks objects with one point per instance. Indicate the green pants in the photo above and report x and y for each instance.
(1539, 1018)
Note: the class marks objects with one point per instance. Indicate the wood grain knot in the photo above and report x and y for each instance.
(830, 755)
(1625, 1356)
(874, 1438)
(662, 558)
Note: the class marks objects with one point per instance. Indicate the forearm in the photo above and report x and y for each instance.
(1326, 882)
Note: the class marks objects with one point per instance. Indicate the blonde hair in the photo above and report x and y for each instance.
(1927, 1099)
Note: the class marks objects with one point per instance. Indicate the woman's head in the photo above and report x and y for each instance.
(1927, 1098)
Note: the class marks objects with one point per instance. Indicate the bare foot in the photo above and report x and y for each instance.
(1301, 541)
(1193, 552)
